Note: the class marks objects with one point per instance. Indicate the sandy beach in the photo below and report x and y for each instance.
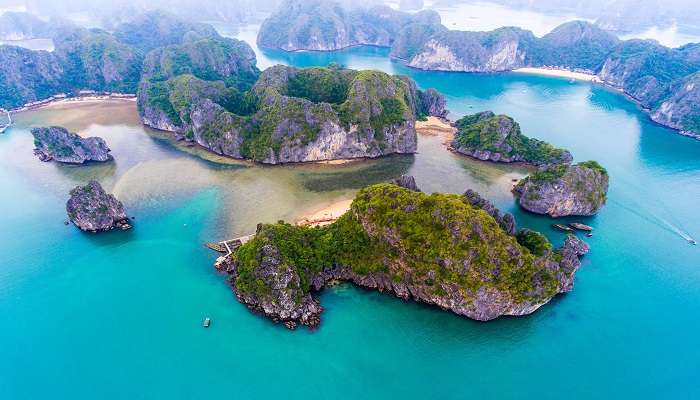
(434, 126)
(326, 215)
(562, 73)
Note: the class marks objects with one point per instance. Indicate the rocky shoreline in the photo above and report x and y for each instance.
(58, 144)
(285, 292)
(489, 305)
(91, 209)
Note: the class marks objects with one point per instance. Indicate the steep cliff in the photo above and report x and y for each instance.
(293, 115)
(498, 138)
(175, 77)
(27, 75)
(436, 249)
(574, 45)
(91, 209)
(501, 50)
(680, 110)
(56, 143)
(563, 190)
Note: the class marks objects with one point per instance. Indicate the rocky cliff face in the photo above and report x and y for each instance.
(56, 143)
(680, 111)
(504, 49)
(327, 25)
(497, 138)
(563, 190)
(293, 115)
(472, 268)
(574, 45)
(93, 210)
(433, 103)
(27, 75)
(505, 220)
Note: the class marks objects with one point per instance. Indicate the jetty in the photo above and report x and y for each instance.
(227, 247)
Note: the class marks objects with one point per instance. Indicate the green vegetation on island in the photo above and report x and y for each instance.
(487, 136)
(561, 190)
(436, 248)
(288, 115)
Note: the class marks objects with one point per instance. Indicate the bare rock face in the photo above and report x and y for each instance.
(407, 181)
(280, 305)
(474, 267)
(563, 190)
(93, 210)
(433, 103)
(56, 143)
(680, 111)
(505, 220)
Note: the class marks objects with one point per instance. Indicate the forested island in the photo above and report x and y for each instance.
(288, 114)
(664, 81)
(206, 89)
(455, 252)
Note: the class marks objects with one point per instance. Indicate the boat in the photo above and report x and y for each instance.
(589, 234)
(581, 227)
(693, 242)
(562, 227)
(207, 322)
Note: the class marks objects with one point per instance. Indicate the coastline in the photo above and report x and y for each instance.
(560, 73)
(434, 126)
(63, 99)
(326, 215)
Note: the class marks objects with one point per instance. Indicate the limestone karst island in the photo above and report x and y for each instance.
(407, 199)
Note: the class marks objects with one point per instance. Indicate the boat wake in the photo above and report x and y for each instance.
(670, 224)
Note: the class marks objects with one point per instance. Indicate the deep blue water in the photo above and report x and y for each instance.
(119, 315)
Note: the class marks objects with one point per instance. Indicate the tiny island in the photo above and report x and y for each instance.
(557, 188)
(91, 209)
(58, 144)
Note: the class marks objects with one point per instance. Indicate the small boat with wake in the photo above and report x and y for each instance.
(693, 242)
(562, 227)
(581, 227)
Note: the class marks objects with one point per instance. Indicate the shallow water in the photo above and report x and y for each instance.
(119, 315)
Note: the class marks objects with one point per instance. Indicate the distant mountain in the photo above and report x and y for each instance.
(328, 25)
(661, 79)
(90, 59)
(156, 29)
(23, 26)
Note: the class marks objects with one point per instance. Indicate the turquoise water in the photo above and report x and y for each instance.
(119, 315)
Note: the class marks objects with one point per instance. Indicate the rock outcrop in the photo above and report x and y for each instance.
(498, 138)
(563, 190)
(680, 111)
(436, 249)
(56, 143)
(433, 103)
(292, 115)
(406, 182)
(93, 210)
(505, 220)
